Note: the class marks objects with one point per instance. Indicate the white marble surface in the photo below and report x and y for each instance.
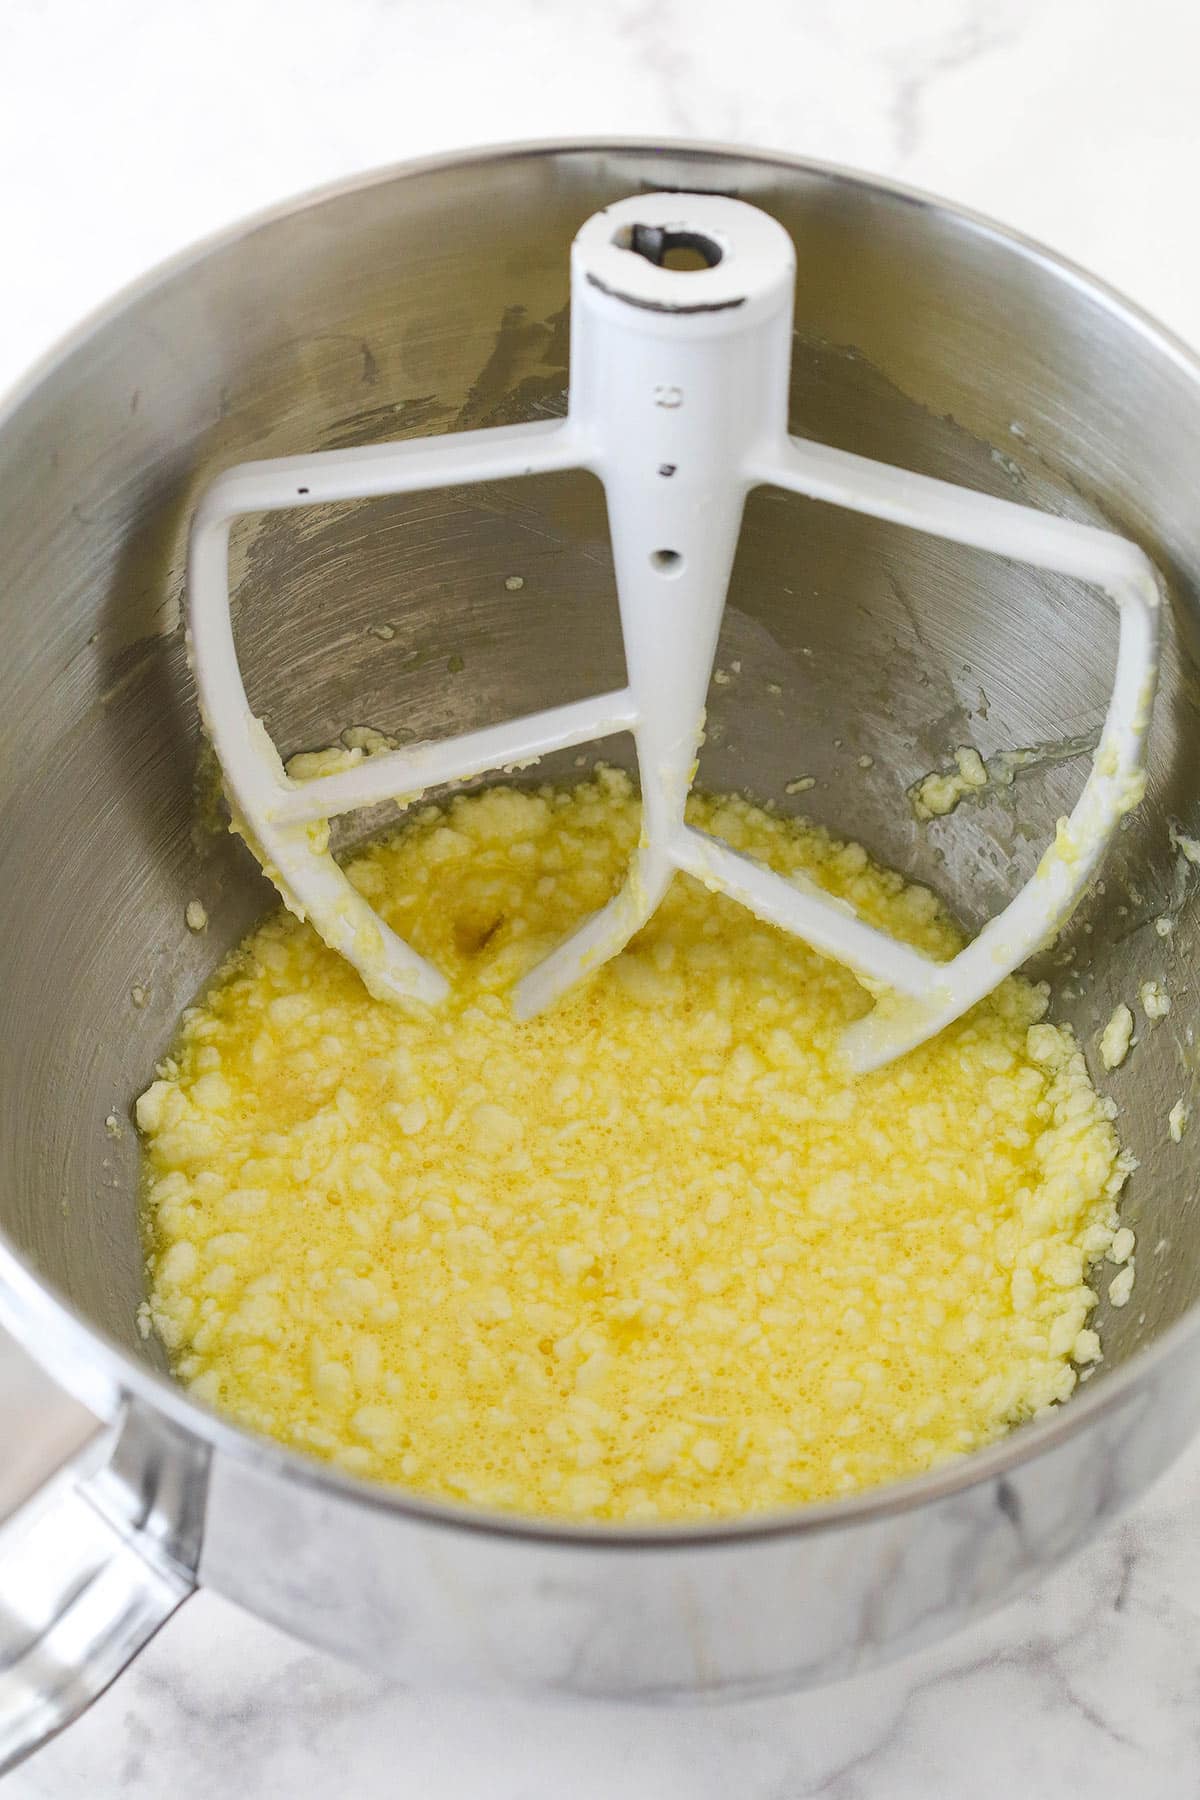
(130, 127)
(1085, 1692)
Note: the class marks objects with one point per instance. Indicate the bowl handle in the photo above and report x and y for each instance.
(99, 1536)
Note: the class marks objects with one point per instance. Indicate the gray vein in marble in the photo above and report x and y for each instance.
(983, 30)
(655, 33)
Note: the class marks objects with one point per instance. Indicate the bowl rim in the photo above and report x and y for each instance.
(102, 1375)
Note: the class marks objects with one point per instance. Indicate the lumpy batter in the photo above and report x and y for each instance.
(653, 1255)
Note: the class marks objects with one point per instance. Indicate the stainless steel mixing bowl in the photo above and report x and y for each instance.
(430, 299)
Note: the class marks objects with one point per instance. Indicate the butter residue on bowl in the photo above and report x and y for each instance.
(651, 1255)
(939, 793)
(1116, 1037)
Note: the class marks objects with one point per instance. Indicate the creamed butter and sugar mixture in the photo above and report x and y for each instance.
(653, 1255)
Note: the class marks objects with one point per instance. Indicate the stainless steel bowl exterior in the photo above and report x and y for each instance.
(434, 298)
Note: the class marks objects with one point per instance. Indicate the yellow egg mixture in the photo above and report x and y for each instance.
(653, 1255)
